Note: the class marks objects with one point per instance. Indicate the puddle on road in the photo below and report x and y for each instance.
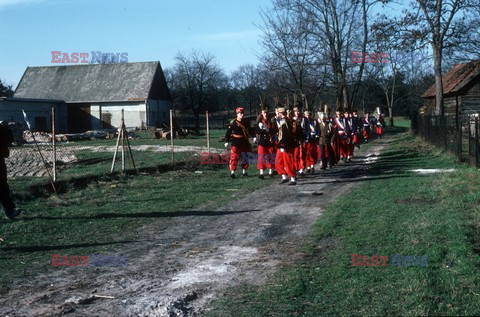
(425, 171)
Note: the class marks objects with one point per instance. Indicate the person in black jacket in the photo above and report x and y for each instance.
(6, 139)
(264, 129)
(238, 133)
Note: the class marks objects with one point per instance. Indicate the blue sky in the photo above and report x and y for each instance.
(147, 30)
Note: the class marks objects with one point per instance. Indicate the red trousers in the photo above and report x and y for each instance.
(356, 139)
(312, 153)
(326, 155)
(299, 158)
(366, 134)
(285, 163)
(336, 150)
(345, 145)
(265, 157)
(235, 155)
(379, 130)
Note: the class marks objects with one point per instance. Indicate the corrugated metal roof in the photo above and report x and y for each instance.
(89, 82)
(456, 79)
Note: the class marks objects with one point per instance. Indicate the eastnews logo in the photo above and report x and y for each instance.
(246, 158)
(89, 260)
(382, 260)
(96, 57)
(400, 57)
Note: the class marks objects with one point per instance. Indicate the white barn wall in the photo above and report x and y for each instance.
(134, 114)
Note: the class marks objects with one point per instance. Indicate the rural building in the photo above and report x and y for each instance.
(91, 96)
(461, 90)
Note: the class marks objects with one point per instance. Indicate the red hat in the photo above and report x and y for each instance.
(239, 109)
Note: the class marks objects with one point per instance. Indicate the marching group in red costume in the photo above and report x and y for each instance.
(291, 144)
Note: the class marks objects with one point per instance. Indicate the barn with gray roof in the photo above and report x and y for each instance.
(92, 96)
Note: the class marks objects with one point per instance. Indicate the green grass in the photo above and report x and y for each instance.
(402, 122)
(101, 214)
(395, 212)
(89, 163)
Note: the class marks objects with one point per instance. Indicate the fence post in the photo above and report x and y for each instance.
(445, 132)
(459, 139)
(470, 145)
(54, 149)
(123, 141)
(171, 137)
(208, 133)
(476, 141)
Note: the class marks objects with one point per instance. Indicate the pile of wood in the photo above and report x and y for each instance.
(44, 137)
(164, 132)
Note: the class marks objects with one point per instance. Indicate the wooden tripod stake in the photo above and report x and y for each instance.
(123, 136)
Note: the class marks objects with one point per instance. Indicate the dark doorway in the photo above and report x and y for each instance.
(41, 124)
(79, 118)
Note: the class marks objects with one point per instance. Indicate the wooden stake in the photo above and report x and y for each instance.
(54, 165)
(123, 143)
(171, 137)
(123, 136)
(44, 163)
(130, 151)
(116, 150)
(208, 134)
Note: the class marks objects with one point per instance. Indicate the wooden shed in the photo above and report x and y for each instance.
(461, 90)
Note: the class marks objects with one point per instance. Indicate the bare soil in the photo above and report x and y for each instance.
(177, 271)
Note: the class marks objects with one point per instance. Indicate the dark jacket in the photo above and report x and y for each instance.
(312, 130)
(356, 123)
(265, 132)
(6, 139)
(298, 132)
(238, 133)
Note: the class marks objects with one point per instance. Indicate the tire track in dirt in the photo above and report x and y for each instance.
(177, 271)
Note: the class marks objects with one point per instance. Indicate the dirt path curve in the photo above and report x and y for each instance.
(177, 271)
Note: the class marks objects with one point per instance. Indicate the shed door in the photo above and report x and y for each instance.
(79, 118)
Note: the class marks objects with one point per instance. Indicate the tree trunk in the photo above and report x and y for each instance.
(437, 59)
(197, 121)
(390, 115)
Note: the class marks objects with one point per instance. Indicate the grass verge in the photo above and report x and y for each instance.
(104, 214)
(395, 211)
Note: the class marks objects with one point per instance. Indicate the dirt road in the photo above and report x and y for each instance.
(177, 271)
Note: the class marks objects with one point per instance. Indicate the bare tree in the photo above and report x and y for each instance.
(246, 79)
(315, 37)
(196, 81)
(440, 23)
(291, 56)
(391, 59)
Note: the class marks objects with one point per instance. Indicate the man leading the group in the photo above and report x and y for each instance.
(238, 133)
